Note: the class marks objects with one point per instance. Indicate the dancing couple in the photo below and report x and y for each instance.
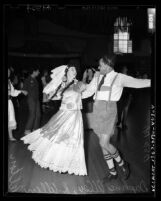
(59, 144)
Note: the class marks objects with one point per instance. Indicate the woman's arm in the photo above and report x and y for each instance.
(90, 88)
(84, 76)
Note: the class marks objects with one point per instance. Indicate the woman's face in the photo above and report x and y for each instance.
(71, 74)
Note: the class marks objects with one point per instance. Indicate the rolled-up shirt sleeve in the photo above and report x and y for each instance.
(90, 88)
(14, 92)
(128, 81)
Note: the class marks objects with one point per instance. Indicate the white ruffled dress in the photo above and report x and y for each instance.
(59, 145)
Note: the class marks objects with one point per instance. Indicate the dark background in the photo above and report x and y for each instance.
(51, 36)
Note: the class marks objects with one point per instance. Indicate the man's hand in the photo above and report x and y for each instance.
(24, 92)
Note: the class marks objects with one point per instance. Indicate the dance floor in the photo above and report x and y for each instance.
(25, 176)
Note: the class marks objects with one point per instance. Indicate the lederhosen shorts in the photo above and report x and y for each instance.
(104, 116)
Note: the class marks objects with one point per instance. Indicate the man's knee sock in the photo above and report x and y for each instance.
(110, 163)
(116, 156)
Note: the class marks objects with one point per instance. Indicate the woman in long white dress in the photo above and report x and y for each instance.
(59, 145)
(12, 124)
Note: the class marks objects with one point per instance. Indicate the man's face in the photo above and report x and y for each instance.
(104, 68)
(37, 73)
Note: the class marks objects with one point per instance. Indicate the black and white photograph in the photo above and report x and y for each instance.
(81, 99)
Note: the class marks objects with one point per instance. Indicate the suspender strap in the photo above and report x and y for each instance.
(112, 86)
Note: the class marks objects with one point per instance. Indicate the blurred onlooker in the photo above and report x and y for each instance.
(12, 92)
(145, 76)
(45, 79)
(137, 74)
(88, 75)
(31, 85)
(24, 75)
(15, 80)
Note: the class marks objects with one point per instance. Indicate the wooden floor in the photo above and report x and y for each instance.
(25, 176)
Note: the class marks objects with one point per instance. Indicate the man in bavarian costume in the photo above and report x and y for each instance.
(107, 86)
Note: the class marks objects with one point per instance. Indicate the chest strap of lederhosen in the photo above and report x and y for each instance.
(110, 91)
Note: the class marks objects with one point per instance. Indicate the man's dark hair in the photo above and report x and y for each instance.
(110, 60)
(33, 68)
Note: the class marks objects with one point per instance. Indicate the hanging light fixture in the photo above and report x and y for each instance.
(122, 42)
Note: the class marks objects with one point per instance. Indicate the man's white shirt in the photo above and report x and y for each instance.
(121, 81)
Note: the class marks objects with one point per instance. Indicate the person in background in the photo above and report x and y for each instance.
(15, 83)
(137, 74)
(88, 75)
(88, 102)
(12, 92)
(145, 76)
(31, 85)
(45, 79)
(123, 104)
(23, 76)
(107, 86)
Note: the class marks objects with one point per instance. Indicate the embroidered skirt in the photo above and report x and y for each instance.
(59, 145)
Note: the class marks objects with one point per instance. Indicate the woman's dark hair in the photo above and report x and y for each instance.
(75, 63)
(66, 71)
(71, 64)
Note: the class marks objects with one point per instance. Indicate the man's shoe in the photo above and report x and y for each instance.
(109, 177)
(125, 170)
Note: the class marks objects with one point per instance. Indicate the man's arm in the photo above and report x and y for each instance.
(129, 81)
(14, 92)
